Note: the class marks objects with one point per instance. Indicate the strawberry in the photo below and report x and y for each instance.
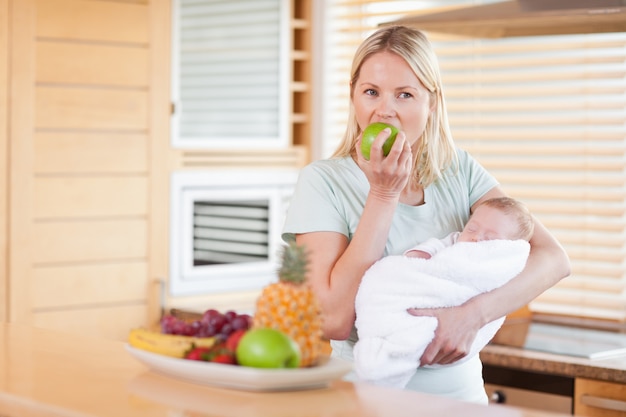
(225, 358)
(233, 339)
(198, 353)
(218, 353)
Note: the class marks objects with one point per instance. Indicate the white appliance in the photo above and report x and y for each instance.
(225, 228)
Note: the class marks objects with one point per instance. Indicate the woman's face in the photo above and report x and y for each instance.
(388, 91)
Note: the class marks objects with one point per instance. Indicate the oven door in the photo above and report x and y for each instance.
(526, 389)
(517, 397)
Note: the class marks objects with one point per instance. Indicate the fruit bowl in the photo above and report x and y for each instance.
(242, 377)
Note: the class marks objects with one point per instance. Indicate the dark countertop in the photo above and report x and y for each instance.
(609, 370)
(507, 350)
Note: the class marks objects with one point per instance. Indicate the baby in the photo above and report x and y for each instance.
(496, 218)
(491, 250)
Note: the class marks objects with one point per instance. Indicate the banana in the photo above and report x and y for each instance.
(166, 344)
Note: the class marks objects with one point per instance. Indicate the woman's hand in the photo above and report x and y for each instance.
(455, 333)
(387, 175)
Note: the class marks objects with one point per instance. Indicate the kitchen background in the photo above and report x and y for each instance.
(113, 129)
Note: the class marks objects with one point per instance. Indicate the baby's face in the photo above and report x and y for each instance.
(488, 223)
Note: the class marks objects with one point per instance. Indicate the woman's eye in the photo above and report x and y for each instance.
(370, 92)
(405, 95)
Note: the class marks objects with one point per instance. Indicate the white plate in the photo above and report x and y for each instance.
(245, 378)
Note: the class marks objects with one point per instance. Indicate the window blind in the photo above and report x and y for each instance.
(546, 116)
(230, 73)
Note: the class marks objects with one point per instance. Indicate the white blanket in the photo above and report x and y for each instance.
(391, 341)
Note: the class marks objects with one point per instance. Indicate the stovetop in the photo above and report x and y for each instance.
(566, 340)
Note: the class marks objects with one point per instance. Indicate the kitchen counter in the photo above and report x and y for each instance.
(609, 370)
(552, 340)
(47, 373)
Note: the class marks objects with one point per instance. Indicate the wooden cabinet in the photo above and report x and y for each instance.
(595, 398)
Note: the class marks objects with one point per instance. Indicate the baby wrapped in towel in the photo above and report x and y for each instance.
(491, 250)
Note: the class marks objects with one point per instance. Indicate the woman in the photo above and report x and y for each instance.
(349, 212)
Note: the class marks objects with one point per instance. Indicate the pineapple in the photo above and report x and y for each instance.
(290, 305)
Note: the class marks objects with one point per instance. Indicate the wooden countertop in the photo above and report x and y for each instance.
(610, 370)
(47, 373)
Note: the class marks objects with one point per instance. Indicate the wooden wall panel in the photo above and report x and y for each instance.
(64, 197)
(58, 287)
(80, 76)
(125, 65)
(89, 241)
(90, 165)
(111, 323)
(21, 91)
(93, 20)
(4, 158)
(59, 107)
(160, 152)
(90, 152)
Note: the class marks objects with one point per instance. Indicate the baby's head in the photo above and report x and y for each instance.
(499, 218)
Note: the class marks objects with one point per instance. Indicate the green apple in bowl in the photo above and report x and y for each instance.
(369, 135)
(268, 348)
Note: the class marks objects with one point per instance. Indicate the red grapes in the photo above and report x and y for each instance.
(212, 323)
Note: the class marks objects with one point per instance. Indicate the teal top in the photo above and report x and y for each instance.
(330, 195)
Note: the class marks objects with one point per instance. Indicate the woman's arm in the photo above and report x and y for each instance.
(547, 264)
(336, 265)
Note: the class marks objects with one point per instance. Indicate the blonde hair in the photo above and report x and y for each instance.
(436, 150)
(515, 208)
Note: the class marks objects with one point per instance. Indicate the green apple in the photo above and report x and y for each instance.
(268, 348)
(369, 135)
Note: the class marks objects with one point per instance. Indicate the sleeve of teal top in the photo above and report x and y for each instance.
(315, 205)
(479, 180)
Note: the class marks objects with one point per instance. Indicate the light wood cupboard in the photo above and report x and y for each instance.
(85, 159)
(594, 398)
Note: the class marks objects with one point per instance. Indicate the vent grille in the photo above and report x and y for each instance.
(226, 232)
(226, 229)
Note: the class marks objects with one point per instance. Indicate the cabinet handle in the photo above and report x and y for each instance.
(497, 397)
(606, 403)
